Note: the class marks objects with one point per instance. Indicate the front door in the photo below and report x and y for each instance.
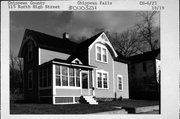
(85, 84)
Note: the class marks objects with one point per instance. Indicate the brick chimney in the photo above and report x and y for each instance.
(65, 35)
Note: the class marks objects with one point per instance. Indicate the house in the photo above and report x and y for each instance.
(144, 75)
(60, 71)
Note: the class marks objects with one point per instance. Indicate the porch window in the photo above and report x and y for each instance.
(77, 77)
(45, 76)
(120, 82)
(64, 76)
(71, 77)
(49, 75)
(67, 76)
(58, 76)
(30, 79)
(102, 79)
(101, 53)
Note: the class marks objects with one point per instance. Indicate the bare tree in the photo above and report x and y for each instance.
(128, 43)
(20, 66)
(16, 76)
(147, 30)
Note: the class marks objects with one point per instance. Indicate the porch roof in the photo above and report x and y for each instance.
(68, 63)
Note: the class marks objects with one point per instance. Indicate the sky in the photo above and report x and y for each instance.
(77, 24)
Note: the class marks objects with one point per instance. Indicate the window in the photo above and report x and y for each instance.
(77, 77)
(30, 51)
(102, 79)
(71, 77)
(30, 79)
(104, 56)
(101, 53)
(49, 75)
(45, 75)
(144, 67)
(99, 78)
(120, 82)
(64, 76)
(67, 76)
(98, 53)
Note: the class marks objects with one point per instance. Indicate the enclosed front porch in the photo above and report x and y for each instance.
(64, 83)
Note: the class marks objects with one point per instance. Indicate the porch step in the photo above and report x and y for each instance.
(89, 100)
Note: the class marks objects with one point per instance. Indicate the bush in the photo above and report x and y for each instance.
(120, 98)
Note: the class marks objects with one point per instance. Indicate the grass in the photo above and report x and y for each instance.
(131, 103)
(20, 108)
(58, 109)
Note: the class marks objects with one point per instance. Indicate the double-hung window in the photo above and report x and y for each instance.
(120, 82)
(45, 76)
(98, 53)
(30, 79)
(102, 79)
(101, 53)
(30, 51)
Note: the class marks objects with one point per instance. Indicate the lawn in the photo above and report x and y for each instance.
(131, 103)
(58, 109)
(21, 108)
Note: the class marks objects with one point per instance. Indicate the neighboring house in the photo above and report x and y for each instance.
(59, 71)
(144, 75)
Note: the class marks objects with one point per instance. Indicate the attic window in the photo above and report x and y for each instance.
(77, 62)
(104, 37)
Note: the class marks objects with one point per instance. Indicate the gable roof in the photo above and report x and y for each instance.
(85, 44)
(50, 42)
(145, 56)
(121, 58)
(61, 45)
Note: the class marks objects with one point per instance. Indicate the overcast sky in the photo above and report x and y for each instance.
(77, 24)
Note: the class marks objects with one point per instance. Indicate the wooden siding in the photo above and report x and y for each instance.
(47, 55)
(102, 93)
(31, 65)
(143, 84)
(68, 92)
(121, 69)
(45, 92)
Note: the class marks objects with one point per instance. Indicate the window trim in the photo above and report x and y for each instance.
(30, 72)
(68, 86)
(118, 82)
(101, 47)
(46, 78)
(102, 72)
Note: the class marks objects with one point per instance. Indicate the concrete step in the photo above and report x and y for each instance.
(90, 100)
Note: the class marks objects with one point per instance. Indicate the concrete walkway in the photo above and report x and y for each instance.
(121, 111)
(137, 110)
